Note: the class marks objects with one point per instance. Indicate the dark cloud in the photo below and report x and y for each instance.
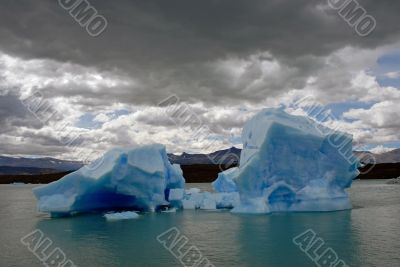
(161, 32)
(218, 53)
(168, 45)
(13, 114)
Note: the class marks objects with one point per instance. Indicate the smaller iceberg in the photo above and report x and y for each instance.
(116, 216)
(394, 181)
(192, 190)
(141, 179)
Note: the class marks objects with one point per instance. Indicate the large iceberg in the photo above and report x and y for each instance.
(139, 179)
(291, 163)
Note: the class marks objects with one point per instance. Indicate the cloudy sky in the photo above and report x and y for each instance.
(222, 59)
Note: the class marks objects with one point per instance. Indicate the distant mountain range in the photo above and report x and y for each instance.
(230, 156)
(20, 165)
(387, 157)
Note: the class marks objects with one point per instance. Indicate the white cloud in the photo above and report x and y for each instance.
(384, 114)
(37, 74)
(74, 90)
(101, 117)
(392, 74)
(381, 149)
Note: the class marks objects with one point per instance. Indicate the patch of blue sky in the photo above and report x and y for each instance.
(87, 120)
(394, 144)
(386, 82)
(235, 140)
(390, 59)
(387, 69)
(117, 113)
(338, 109)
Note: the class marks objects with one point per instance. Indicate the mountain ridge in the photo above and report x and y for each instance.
(227, 157)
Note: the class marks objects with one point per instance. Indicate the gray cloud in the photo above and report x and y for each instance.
(221, 54)
(168, 45)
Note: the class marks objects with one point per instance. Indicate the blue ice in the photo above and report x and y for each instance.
(138, 179)
(292, 163)
(288, 163)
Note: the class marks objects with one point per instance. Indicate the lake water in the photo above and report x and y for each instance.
(368, 235)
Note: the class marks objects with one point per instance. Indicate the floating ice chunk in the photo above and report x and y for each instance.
(208, 202)
(394, 181)
(192, 190)
(171, 210)
(189, 204)
(199, 200)
(291, 163)
(192, 200)
(227, 200)
(126, 215)
(137, 178)
(255, 205)
(226, 181)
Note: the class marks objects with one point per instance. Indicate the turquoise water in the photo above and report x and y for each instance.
(368, 235)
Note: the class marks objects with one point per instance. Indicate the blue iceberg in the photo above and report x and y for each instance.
(291, 163)
(139, 179)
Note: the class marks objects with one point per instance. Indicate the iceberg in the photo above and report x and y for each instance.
(192, 190)
(139, 178)
(208, 201)
(116, 216)
(288, 163)
(192, 199)
(291, 163)
(226, 181)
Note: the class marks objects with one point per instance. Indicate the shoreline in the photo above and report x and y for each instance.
(205, 173)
